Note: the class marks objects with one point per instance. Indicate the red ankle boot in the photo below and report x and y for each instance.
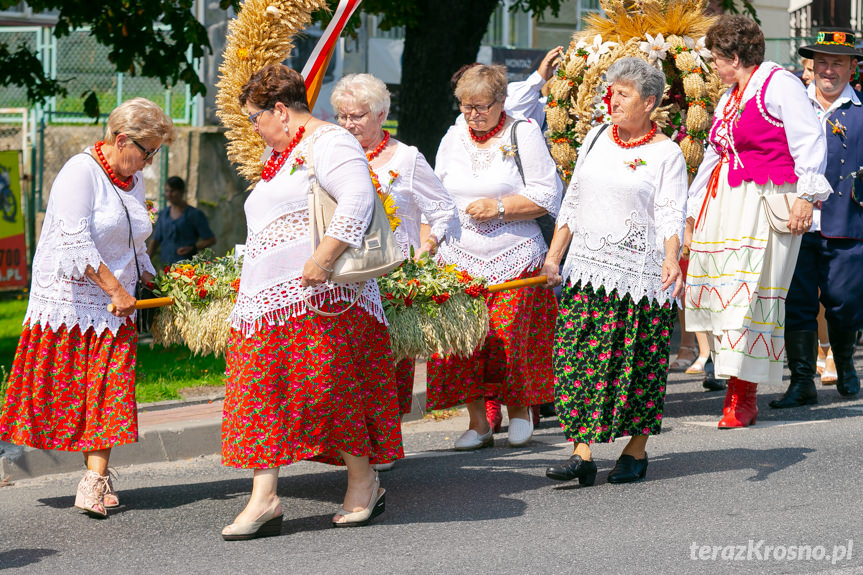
(493, 414)
(741, 408)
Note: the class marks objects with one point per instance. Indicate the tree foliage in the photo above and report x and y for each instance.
(440, 37)
(129, 29)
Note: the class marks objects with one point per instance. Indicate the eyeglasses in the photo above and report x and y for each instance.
(465, 109)
(147, 155)
(253, 118)
(345, 118)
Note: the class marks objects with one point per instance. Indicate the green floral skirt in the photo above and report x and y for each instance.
(610, 364)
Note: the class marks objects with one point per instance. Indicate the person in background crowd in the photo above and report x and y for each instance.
(620, 279)
(181, 230)
(72, 384)
(808, 74)
(831, 254)
(500, 240)
(765, 139)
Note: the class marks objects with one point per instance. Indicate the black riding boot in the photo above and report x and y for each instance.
(842, 344)
(801, 348)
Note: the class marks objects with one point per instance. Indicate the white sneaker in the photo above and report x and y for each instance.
(471, 440)
(520, 432)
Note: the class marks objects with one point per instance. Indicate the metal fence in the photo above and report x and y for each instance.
(81, 64)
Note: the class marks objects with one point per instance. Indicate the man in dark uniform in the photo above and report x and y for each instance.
(831, 254)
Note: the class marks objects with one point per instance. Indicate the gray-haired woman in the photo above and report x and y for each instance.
(623, 219)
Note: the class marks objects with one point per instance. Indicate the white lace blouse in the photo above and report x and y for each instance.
(279, 242)
(419, 196)
(497, 250)
(620, 216)
(85, 225)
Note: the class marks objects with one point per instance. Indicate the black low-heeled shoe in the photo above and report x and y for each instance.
(574, 467)
(628, 470)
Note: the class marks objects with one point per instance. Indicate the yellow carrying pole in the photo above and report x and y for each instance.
(515, 284)
(149, 303)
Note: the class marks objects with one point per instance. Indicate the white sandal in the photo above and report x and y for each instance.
(697, 366)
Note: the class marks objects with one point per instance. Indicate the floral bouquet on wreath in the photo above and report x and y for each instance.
(433, 309)
(204, 290)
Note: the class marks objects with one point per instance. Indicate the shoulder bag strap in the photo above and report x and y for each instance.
(517, 157)
(592, 142)
(128, 220)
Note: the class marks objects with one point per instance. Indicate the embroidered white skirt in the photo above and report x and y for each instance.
(738, 278)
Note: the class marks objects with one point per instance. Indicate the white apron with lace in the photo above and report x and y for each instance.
(85, 225)
(419, 196)
(620, 216)
(497, 250)
(278, 243)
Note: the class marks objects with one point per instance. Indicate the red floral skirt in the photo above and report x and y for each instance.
(309, 389)
(405, 381)
(514, 364)
(72, 391)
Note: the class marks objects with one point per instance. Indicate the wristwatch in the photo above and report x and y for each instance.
(500, 209)
(808, 197)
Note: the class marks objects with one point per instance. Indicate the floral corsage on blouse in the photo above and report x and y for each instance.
(298, 163)
(509, 151)
(635, 163)
(152, 211)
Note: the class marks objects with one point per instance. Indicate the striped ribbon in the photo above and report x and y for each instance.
(317, 64)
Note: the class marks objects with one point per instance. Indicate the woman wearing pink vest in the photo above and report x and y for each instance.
(765, 139)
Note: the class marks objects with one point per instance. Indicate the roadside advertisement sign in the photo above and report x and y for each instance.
(13, 249)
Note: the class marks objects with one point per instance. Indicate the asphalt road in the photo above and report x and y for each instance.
(752, 500)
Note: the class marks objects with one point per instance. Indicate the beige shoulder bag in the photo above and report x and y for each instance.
(378, 255)
(777, 207)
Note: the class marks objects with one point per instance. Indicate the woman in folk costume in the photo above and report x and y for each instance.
(302, 385)
(765, 139)
(624, 214)
(425, 209)
(500, 240)
(72, 383)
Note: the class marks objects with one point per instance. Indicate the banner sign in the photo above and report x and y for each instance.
(520, 63)
(13, 248)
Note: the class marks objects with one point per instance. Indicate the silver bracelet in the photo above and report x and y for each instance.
(317, 263)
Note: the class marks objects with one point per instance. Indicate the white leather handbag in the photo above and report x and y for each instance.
(379, 253)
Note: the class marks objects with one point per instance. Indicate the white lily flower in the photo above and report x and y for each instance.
(689, 42)
(702, 54)
(656, 48)
(598, 49)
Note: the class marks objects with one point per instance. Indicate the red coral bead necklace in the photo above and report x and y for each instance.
(491, 133)
(380, 147)
(633, 143)
(277, 160)
(125, 186)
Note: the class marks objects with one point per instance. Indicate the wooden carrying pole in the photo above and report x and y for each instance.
(148, 303)
(515, 284)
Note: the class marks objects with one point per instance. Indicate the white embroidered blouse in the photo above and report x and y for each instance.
(85, 225)
(419, 196)
(279, 242)
(620, 215)
(497, 250)
(786, 100)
